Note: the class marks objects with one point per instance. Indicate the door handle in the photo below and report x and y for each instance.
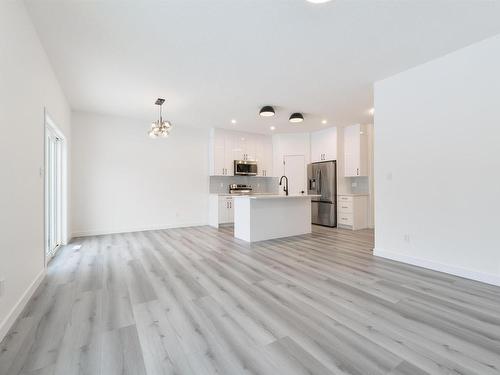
(319, 182)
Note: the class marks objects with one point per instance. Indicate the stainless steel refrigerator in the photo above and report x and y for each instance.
(322, 180)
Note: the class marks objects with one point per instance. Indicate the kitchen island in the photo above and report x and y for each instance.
(264, 217)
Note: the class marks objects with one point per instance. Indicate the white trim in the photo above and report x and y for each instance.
(483, 277)
(98, 232)
(49, 125)
(18, 308)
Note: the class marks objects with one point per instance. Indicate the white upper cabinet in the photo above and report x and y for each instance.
(264, 155)
(324, 145)
(221, 153)
(244, 146)
(355, 151)
(226, 146)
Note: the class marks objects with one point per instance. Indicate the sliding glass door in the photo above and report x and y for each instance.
(53, 191)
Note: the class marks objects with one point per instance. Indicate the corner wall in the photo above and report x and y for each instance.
(125, 181)
(27, 86)
(437, 164)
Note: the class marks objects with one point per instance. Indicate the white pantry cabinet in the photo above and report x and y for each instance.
(355, 150)
(324, 145)
(226, 146)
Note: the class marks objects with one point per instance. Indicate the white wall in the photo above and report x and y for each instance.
(125, 181)
(290, 144)
(437, 163)
(27, 85)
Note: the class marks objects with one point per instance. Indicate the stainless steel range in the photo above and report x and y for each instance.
(240, 189)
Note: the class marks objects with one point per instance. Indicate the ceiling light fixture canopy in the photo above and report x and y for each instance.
(267, 111)
(318, 1)
(296, 117)
(160, 128)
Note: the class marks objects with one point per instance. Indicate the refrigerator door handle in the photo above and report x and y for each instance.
(319, 182)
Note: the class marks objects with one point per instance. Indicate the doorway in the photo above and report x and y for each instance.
(55, 189)
(294, 167)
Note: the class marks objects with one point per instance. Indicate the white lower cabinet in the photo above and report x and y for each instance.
(226, 211)
(352, 211)
(221, 210)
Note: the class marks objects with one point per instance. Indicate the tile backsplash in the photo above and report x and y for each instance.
(220, 184)
(359, 184)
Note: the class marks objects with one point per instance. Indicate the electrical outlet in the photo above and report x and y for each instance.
(77, 247)
(407, 238)
(389, 176)
(354, 184)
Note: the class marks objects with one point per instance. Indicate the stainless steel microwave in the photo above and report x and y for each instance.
(245, 168)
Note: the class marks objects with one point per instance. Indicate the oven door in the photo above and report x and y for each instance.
(245, 168)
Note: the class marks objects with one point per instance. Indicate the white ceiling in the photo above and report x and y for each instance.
(222, 59)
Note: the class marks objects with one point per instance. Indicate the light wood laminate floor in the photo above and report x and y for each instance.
(197, 301)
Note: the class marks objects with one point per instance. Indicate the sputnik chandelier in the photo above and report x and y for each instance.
(160, 128)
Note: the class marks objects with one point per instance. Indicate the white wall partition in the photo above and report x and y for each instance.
(28, 85)
(437, 163)
(125, 181)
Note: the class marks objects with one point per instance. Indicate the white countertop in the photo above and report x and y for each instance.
(276, 196)
(352, 194)
(240, 195)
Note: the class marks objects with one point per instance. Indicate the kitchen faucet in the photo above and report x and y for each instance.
(286, 184)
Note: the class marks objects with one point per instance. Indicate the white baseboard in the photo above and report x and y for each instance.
(11, 318)
(98, 232)
(483, 277)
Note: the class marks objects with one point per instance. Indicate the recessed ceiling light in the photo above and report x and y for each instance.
(371, 111)
(233, 121)
(296, 117)
(324, 122)
(318, 1)
(272, 127)
(267, 111)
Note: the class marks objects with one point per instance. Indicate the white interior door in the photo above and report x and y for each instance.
(295, 170)
(53, 191)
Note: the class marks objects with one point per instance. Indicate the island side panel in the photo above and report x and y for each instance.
(242, 218)
(280, 217)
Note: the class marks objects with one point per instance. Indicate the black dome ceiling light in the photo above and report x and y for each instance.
(267, 111)
(296, 117)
